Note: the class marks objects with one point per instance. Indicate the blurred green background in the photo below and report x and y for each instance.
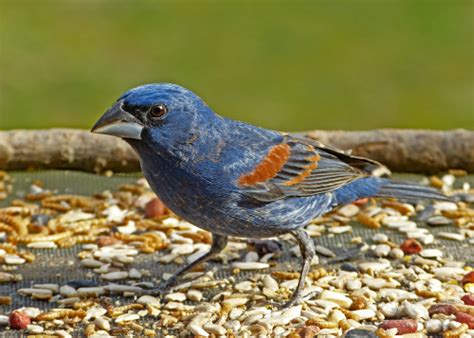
(287, 65)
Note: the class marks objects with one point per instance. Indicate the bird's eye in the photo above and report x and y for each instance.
(157, 111)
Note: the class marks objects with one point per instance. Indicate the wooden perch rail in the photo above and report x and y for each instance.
(417, 151)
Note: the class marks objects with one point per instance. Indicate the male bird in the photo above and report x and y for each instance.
(235, 179)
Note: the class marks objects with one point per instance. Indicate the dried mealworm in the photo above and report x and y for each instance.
(40, 238)
(323, 324)
(60, 314)
(55, 206)
(114, 312)
(19, 225)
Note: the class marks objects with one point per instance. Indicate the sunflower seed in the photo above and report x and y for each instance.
(127, 317)
(250, 265)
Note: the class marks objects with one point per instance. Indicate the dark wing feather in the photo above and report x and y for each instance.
(309, 168)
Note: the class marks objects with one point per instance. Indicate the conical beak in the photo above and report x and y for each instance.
(117, 122)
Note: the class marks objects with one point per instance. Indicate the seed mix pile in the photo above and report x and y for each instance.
(405, 288)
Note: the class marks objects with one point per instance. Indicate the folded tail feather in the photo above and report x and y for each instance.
(384, 188)
(409, 191)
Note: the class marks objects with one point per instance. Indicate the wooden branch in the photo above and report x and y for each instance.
(419, 151)
(65, 149)
(416, 151)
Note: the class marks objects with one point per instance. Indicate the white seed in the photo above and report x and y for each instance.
(134, 274)
(250, 265)
(31, 312)
(434, 326)
(176, 296)
(448, 179)
(427, 239)
(390, 310)
(103, 269)
(454, 324)
(68, 301)
(446, 273)
(252, 256)
(415, 311)
(270, 283)
(286, 317)
(114, 214)
(91, 263)
(364, 314)
(348, 210)
(194, 295)
(336, 316)
(244, 286)
(116, 275)
(95, 312)
(235, 313)
(102, 323)
(91, 291)
(233, 302)
(396, 253)
(197, 330)
(166, 259)
(398, 294)
(63, 333)
(290, 284)
(451, 235)
(123, 259)
(431, 253)
(127, 317)
(149, 300)
(90, 246)
(382, 250)
(448, 206)
(3, 320)
(13, 260)
(67, 291)
(120, 288)
(324, 251)
(380, 238)
(409, 227)
(379, 283)
(42, 245)
(336, 297)
(340, 229)
(35, 329)
(381, 265)
(53, 287)
(215, 329)
(353, 284)
(393, 219)
(33, 291)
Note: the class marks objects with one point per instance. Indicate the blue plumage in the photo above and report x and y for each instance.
(235, 179)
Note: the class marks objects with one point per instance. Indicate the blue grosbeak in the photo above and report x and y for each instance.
(235, 179)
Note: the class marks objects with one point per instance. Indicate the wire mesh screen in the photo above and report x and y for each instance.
(62, 265)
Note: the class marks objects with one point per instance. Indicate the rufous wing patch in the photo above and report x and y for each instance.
(269, 167)
(313, 164)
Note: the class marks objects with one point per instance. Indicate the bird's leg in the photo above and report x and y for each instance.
(307, 252)
(219, 242)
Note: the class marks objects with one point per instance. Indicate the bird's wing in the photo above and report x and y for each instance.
(299, 167)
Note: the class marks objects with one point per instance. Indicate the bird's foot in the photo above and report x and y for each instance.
(162, 288)
(158, 291)
(282, 305)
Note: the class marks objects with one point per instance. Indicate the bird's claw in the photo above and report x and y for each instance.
(162, 288)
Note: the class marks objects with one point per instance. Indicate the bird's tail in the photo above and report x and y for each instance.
(408, 191)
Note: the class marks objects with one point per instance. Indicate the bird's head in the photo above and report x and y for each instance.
(158, 113)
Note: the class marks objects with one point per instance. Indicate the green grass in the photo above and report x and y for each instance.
(288, 65)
